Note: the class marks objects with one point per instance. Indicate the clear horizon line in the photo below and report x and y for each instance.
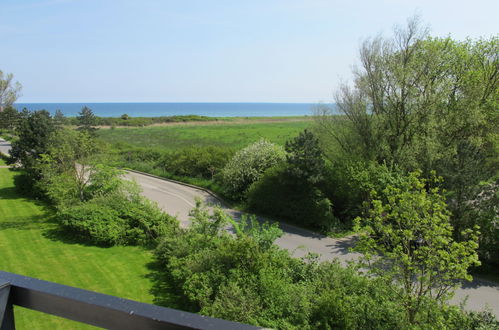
(197, 102)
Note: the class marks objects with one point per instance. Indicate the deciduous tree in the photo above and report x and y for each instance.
(9, 91)
(407, 241)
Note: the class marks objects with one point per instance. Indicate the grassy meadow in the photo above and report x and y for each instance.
(31, 245)
(232, 134)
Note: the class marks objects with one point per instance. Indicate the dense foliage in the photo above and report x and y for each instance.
(279, 195)
(246, 279)
(248, 165)
(429, 104)
(304, 157)
(117, 219)
(9, 118)
(90, 199)
(411, 232)
(34, 129)
(94, 202)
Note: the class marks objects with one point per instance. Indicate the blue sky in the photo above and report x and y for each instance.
(206, 51)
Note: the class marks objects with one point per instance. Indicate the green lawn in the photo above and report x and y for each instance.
(2, 162)
(30, 245)
(235, 135)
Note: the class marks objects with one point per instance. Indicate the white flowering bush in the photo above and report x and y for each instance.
(248, 165)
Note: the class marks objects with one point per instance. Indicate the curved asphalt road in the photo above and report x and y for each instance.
(177, 199)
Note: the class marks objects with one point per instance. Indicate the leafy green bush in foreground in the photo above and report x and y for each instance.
(243, 278)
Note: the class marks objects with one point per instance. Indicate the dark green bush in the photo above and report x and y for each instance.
(278, 195)
(348, 185)
(97, 222)
(117, 220)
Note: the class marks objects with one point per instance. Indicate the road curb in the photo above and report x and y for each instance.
(220, 199)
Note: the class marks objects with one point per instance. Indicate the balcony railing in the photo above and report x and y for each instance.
(94, 308)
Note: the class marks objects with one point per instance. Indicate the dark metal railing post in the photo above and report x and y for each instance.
(96, 309)
(6, 307)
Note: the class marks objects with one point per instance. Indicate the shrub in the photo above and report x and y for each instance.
(117, 220)
(97, 222)
(248, 165)
(242, 278)
(195, 162)
(140, 155)
(279, 195)
(348, 185)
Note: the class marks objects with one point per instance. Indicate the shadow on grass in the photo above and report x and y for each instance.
(24, 223)
(163, 289)
(60, 234)
(10, 193)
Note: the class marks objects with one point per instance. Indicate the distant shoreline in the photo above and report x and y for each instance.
(166, 109)
(220, 121)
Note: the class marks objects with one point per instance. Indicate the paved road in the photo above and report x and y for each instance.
(4, 147)
(178, 199)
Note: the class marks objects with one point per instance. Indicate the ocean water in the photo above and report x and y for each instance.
(170, 109)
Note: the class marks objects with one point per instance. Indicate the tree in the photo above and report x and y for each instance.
(9, 91)
(291, 191)
(304, 158)
(87, 121)
(419, 102)
(34, 130)
(407, 241)
(415, 98)
(59, 118)
(9, 118)
(65, 166)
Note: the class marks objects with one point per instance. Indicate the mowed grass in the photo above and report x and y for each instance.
(31, 246)
(232, 135)
(2, 162)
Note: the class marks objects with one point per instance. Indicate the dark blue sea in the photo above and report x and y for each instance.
(170, 109)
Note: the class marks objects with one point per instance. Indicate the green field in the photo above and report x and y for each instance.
(226, 134)
(30, 245)
(2, 162)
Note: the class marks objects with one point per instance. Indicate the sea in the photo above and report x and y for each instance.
(171, 109)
